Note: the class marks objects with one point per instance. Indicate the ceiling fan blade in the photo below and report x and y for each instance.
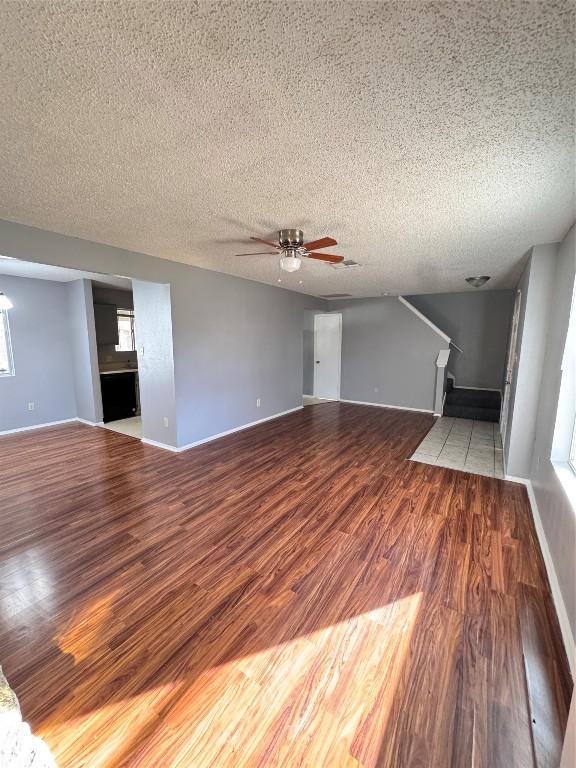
(258, 253)
(326, 257)
(267, 242)
(324, 242)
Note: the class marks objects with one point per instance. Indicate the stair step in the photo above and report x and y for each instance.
(472, 412)
(475, 398)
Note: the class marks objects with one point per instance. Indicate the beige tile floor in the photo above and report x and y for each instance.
(131, 426)
(310, 400)
(465, 444)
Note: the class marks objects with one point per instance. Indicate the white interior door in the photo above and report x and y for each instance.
(327, 351)
(510, 365)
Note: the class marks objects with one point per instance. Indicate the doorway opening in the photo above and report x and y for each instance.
(88, 347)
(117, 358)
(327, 355)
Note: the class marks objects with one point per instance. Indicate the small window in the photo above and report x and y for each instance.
(564, 441)
(6, 362)
(572, 460)
(569, 373)
(126, 339)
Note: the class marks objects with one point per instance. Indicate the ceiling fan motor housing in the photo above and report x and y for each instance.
(291, 238)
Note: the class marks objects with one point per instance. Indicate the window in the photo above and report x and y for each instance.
(564, 442)
(568, 386)
(572, 459)
(126, 340)
(6, 363)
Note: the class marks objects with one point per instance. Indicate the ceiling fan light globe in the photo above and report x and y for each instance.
(479, 281)
(290, 263)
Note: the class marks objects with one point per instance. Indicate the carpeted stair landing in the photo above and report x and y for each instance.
(478, 404)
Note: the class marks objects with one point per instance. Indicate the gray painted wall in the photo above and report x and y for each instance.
(39, 326)
(479, 323)
(557, 514)
(104, 295)
(547, 286)
(388, 354)
(155, 361)
(536, 287)
(234, 340)
(83, 348)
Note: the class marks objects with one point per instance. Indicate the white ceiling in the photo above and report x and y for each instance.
(433, 140)
(17, 268)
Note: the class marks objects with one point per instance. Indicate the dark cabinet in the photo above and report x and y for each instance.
(119, 400)
(106, 321)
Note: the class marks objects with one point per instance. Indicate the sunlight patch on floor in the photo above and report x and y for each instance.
(337, 685)
(97, 738)
(84, 629)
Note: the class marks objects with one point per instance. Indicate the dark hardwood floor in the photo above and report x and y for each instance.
(297, 594)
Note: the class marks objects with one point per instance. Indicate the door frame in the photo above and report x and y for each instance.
(511, 362)
(329, 314)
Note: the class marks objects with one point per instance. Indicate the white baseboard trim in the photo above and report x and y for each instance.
(220, 434)
(385, 405)
(53, 424)
(240, 428)
(513, 478)
(559, 605)
(37, 426)
(164, 446)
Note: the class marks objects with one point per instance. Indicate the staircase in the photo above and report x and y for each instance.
(478, 404)
(461, 403)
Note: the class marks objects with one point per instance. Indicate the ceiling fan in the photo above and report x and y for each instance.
(292, 249)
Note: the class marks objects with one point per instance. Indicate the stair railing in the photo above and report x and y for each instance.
(452, 344)
(441, 377)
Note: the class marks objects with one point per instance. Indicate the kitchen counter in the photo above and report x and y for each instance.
(120, 370)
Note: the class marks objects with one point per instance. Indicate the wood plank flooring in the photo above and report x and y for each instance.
(297, 594)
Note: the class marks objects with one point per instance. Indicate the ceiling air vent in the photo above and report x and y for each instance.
(336, 296)
(346, 264)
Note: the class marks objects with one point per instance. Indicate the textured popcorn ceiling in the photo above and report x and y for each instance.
(432, 140)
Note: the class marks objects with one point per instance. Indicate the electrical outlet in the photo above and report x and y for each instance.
(165, 420)
(141, 351)
(258, 403)
(30, 406)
